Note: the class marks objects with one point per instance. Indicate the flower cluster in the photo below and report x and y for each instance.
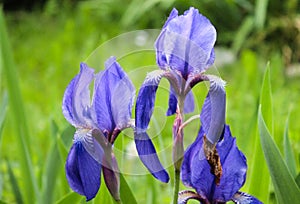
(212, 165)
(98, 123)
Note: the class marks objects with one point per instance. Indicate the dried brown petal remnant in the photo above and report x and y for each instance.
(213, 159)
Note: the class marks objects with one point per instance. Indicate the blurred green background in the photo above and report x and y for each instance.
(48, 39)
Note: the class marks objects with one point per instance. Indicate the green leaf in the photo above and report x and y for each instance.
(63, 151)
(286, 189)
(125, 191)
(14, 184)
(260, 13)
(242, 34)
(297, 179)
(70, 198)
(288, 152)
(266, 99)
(51, 168)
(64, 142)
(3, 109)
(2, 202)
(17, 108)
(259, 185)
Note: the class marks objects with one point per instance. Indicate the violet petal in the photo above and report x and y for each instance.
(186, 43)
(213, 111)
(83, 172)
(76, 100)
(113, 97)
(243, 198)
(148, 156)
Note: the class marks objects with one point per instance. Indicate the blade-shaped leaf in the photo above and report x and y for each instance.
(125, 191)
(51, 168)
(16, 106)
(260, 13)
(3, 108)
(286, 189)
(70, 198)
(288, 152)
(266, 99)
(297, 179)
(259, 185)
(14, 184)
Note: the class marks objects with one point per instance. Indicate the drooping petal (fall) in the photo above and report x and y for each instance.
(113, 97)
(83, 171)
(213, 111)
(148, 156)
(244, 198)
(186, 43)
(196, 171)
(76, 100)
(143, 112)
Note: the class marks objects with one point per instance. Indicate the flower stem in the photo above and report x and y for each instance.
(176, 186)
(178, 149)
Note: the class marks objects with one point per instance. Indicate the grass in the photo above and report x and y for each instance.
(47, 49)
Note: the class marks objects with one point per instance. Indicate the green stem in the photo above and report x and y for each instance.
(176, 186)
(178, 142)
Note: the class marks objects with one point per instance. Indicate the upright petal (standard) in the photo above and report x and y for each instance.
(186, 43)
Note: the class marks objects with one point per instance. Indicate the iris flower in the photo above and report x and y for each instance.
(184, 50)
(214, 185)
(98, 123)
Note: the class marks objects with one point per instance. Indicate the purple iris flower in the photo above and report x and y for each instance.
(186, 43)
(98, 122)
(202, 158)
(196, 172)
(184, 50)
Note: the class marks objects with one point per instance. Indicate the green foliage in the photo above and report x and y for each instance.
(16, 105)
(260, 187)
(14, 184)
(44, 55)
(289, 156)
(286, 189)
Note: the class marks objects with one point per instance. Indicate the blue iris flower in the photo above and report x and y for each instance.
(98, 123)
(197, 171)
(184, 50)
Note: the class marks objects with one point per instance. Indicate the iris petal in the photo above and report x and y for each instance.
(196, 170)
(234, 167)
(148, 156)
(76, 100)
(113, 99)
(89, 143)
(143, 112)
(243, 198)
(186, 43)
(83, 172)
(145, 100)
(213, 111)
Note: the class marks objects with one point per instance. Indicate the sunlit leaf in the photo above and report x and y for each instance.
(72, 197)
(20, 122)
(260, 13)
(126, 193)
(259, 185)
(288, 152)
(242, 33)
(286, 189)
(3, 108)
(51, 168)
